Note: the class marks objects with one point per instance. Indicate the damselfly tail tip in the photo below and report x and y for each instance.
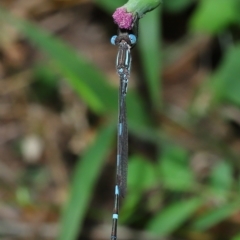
(123, 18)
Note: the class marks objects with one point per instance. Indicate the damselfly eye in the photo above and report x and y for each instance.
(133, 38)
(113, 40)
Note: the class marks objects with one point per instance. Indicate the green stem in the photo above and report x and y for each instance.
(141, 7)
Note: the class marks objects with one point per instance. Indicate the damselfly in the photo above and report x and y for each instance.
(125, 40)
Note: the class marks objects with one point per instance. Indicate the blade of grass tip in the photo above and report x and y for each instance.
(173, 216)
(150, 44)
(215, 216)
(82, 76)
(85, 175)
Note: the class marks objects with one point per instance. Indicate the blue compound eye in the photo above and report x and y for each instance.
(133, 38)
(113, 39)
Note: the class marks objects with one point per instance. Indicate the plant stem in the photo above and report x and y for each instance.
(126, 15)
(141, 7)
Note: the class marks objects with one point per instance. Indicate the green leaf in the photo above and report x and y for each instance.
(129, 207)
(237, 237)
(238, 184)
(138, 119)
(23, 196)
(222, 175)
(215, 216)
(225, 83)
(213, 16)
(221, 179)
(85, 175)
(173, 216)
(137, 166)
(84, 77)
(175, 172)
(151, 55)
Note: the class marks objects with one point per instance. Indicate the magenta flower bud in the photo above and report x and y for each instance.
(123, 19)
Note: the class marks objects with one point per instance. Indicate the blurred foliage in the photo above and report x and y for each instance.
(84, 179)
(207, 19)
(178, 202)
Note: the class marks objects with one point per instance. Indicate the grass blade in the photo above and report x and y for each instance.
(173, 216)
(84, 179)
(215, 216)
(149, 42)
(237, 237)
(82, 76)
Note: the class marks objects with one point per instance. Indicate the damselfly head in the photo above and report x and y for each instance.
(131, 39)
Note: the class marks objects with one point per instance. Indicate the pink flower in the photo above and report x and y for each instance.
(122, 18)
